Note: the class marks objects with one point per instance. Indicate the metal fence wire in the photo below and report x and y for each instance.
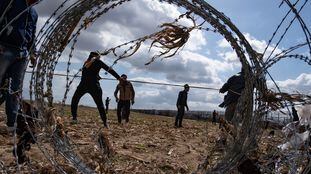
(67, 22)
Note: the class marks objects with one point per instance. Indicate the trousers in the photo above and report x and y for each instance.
(179, 116)
(123, 110)
(96, 92)
(12, 67)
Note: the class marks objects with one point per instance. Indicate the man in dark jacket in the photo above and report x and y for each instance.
(17, 37)
(234, 87)
(125, 99)
(181, 104)
(107, 104)
(90, 84)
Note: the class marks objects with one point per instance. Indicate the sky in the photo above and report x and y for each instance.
(206, 59)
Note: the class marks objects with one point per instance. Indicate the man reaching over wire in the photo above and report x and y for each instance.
(234, 87)
(90, 84)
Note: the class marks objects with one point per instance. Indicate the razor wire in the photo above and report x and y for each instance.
(136, 81)
(286, 30)
(240, 51)
(3, 168)
(53, 40)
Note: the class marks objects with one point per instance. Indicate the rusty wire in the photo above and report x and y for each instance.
(66, 27)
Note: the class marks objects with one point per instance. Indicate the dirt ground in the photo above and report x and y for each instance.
(148, 144)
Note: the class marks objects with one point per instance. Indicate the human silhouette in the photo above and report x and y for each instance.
(181, 105)
(90, 84)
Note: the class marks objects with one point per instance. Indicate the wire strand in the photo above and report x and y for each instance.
(139, 81)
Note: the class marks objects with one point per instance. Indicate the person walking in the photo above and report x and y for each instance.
(18, 20)
(181, 104)
(234, 87)
(214, 115)
(90, 84)
(126, 98)
(107, 104)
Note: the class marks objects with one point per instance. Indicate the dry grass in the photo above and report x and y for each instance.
(148, 144)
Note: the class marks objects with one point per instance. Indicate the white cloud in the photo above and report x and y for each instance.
(230, 57)
(301, 84)
(150, 93)
(227, 54)
(109, 39)
(162, 8)
(196, 41)
(223, 43)
(260, 45)
(257, 45)
(213, 66)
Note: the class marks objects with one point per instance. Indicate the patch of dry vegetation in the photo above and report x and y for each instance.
(148, 144)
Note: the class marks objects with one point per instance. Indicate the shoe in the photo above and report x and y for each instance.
(106, 126)
(74, 122)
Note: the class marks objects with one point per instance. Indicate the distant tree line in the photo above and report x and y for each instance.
(195, 115)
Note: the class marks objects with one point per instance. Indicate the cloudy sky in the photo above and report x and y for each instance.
(206, 60)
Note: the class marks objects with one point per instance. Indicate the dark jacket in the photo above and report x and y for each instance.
(234, 86)
(90, 75)
(107, 101)
(182, 98)
(21, 34)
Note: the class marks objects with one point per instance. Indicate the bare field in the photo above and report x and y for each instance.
(148, 144)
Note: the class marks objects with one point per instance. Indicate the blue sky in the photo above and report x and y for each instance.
(206, 60)
(260, 18)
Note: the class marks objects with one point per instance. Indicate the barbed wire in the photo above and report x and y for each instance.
(287, 28)
(3, 168)
(138, 81)
(56, 35)
(278, 27)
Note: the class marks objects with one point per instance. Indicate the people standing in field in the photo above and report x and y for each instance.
(234, 87)
(181, 105)
(125, 99)
(17, 40)
(90, 84)
(107, 104)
